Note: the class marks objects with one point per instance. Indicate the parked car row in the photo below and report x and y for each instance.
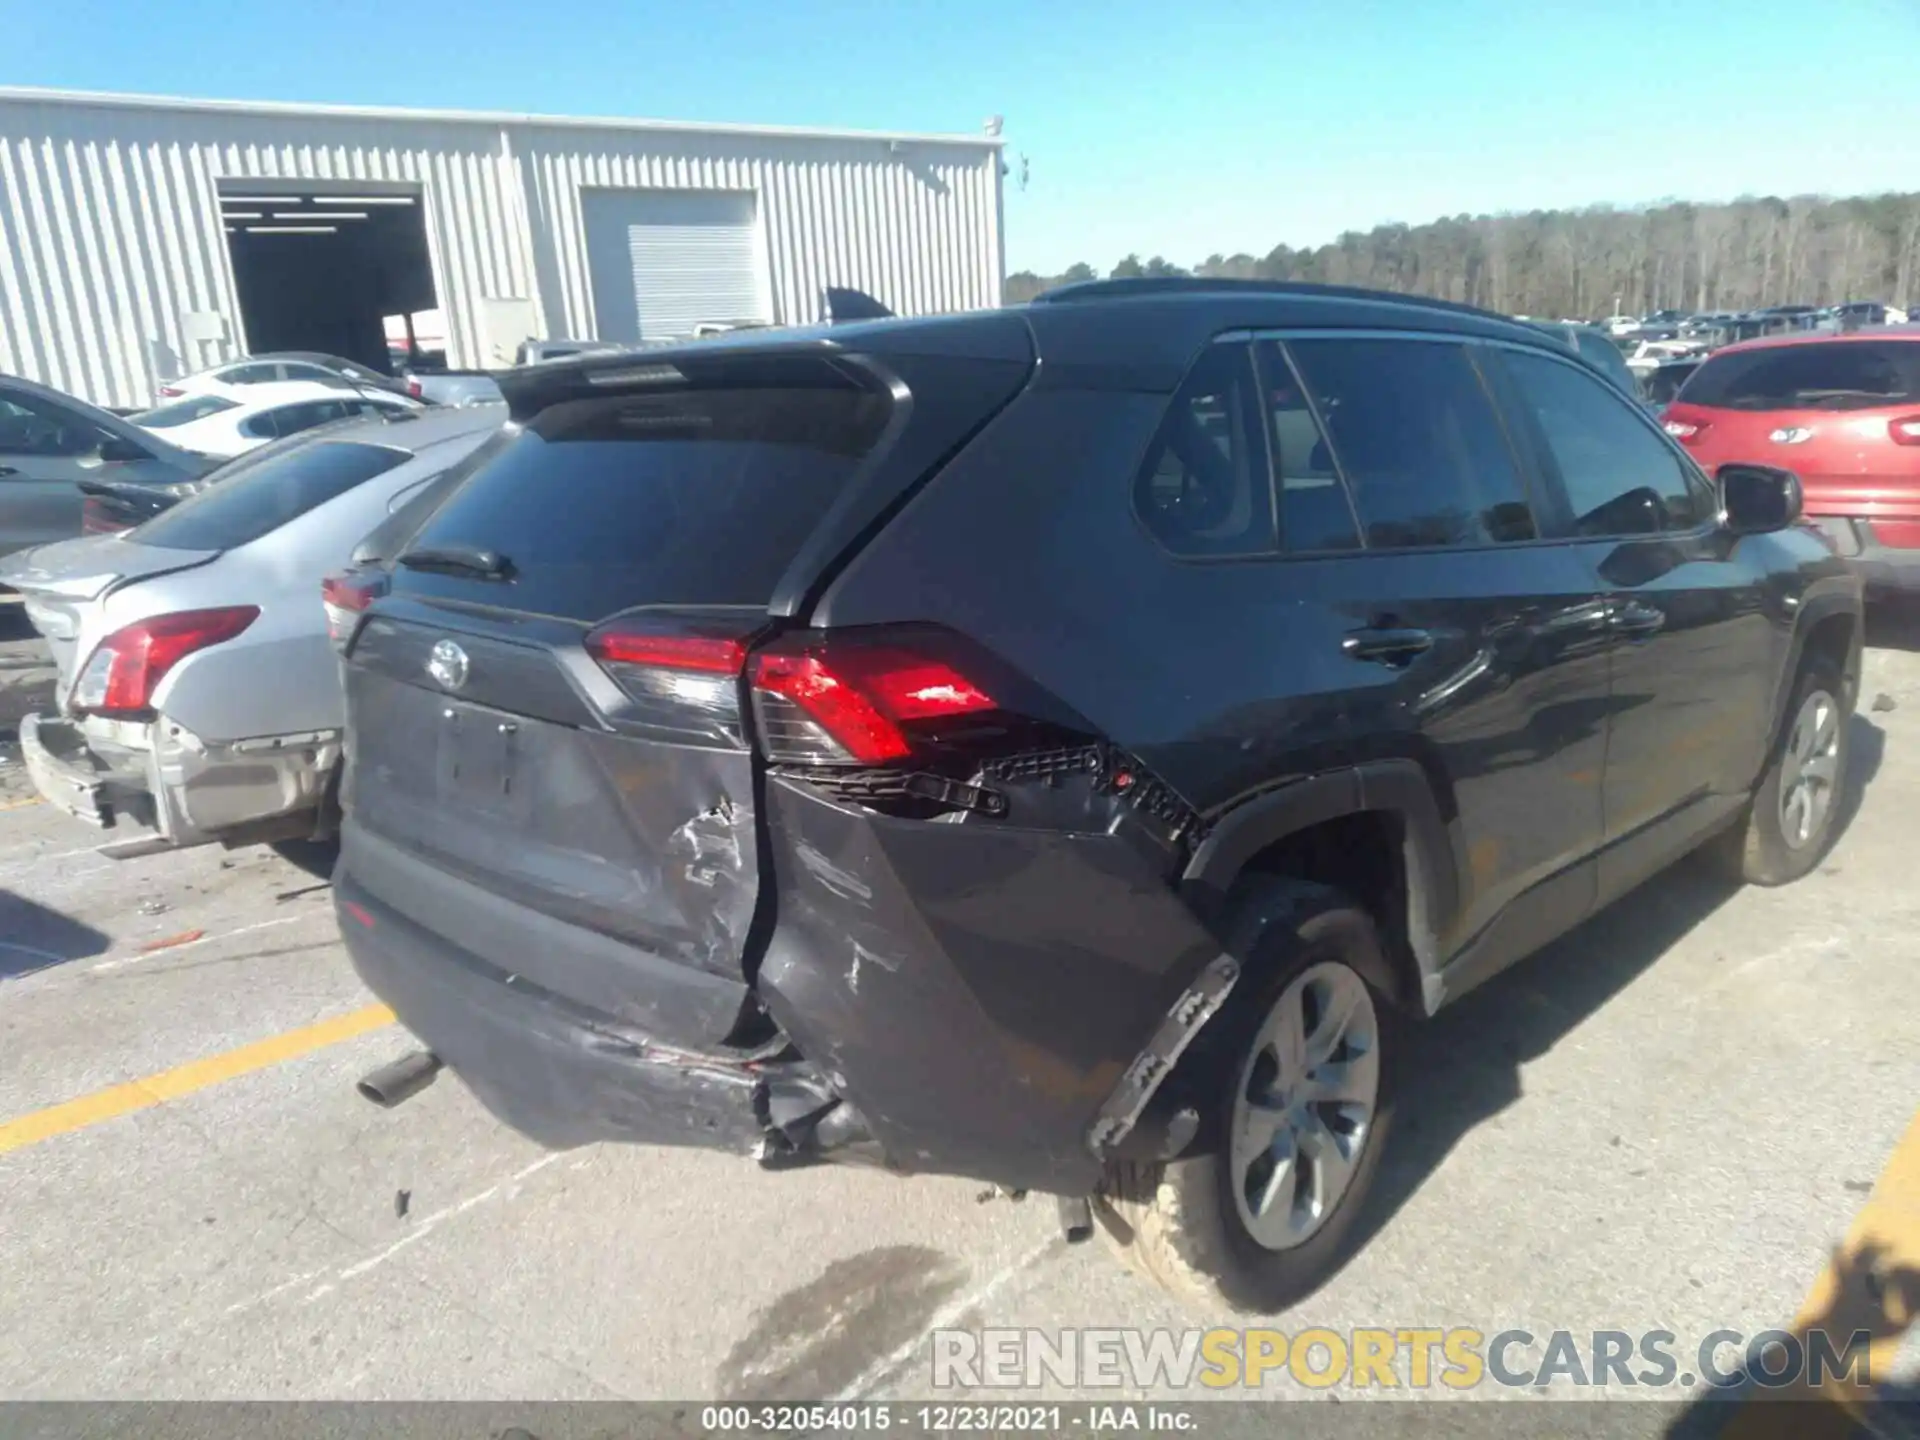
(51, 444)
(838, 746)
(196, 693)
(1843, 412)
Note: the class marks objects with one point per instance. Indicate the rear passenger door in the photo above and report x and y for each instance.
(1694, 655)
(1474, 647)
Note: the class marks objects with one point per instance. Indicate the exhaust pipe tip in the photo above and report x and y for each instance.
(1076, 1218)
(400, 1080)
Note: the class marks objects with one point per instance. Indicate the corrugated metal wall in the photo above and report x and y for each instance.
(111, 238)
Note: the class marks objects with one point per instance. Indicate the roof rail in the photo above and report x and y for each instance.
(1202, 284)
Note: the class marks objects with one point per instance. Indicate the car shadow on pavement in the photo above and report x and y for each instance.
(1468, 1058)
(1894, 624)
(38, 938)
(1863, 1305)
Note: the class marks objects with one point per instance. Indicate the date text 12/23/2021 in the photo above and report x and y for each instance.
(946, 1418)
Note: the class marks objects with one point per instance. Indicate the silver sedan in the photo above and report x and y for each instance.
(199, 697)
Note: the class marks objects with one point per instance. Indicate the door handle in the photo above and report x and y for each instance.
(1638, 620)
(1386, 646)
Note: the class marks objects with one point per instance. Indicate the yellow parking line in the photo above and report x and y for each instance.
(185, 1079)
(21, 804)
(1872, 1283)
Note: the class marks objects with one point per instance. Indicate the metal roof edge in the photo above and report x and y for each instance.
(293, 110)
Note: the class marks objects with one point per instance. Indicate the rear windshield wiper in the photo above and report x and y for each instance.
(459, 560)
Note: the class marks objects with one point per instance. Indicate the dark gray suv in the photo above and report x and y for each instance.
(1065, 745)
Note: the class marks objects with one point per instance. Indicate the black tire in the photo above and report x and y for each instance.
(1178, 1223)
(1756, 849)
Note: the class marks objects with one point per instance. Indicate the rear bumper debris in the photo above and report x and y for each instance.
(960, 997)
(565, 1075)
(70, 777)
(161, 778)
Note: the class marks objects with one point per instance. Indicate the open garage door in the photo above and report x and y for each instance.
(319, 265)
(664, 262)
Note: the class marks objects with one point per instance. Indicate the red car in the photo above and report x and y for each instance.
(1840, 411)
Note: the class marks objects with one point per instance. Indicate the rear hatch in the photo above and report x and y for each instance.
(1844, 415)
(60, 583)
(546, 719)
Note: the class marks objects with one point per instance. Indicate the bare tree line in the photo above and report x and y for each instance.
(1750, 252)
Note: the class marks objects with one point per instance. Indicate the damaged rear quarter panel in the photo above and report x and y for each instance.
(976, 988)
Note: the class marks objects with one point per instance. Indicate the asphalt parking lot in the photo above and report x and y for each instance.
(1669, 1120)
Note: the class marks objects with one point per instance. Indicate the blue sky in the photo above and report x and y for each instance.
(1169, 128)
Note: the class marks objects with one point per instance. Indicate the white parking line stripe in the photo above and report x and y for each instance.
(136, 958)
(945, 1316)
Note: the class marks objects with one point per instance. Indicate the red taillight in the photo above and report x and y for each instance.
(854, 700)
(126, 667)
(1905, 430)
(94, 519)
(172, 392)
(712, 655)
(415, 389)
(346, 597)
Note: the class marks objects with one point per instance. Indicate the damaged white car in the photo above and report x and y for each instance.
(199, 697)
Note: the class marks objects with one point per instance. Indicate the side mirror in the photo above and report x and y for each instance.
(114, 449)
(1758, 499)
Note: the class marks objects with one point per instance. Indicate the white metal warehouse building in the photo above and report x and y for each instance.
(143, 238)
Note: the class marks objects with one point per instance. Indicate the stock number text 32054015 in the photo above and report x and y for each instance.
(786, 1419)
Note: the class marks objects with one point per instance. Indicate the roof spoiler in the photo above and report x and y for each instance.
(843, 306)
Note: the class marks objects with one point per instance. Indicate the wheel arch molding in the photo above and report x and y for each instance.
(1398, 789)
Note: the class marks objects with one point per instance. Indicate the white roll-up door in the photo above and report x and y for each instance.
(665, 261)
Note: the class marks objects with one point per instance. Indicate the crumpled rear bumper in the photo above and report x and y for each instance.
(161, 778)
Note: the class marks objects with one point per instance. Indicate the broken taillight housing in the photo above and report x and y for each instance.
(841, 700)
(121, 675)
(346, 596)
(818, 699)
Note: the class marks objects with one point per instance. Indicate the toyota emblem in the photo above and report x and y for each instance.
(448, 664)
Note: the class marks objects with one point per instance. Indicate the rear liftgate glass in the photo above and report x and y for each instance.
(546, 692)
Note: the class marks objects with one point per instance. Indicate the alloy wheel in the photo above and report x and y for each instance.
(1810, 769)
(1304, 1108)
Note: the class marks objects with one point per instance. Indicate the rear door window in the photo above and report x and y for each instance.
(1204, 489)
(1416, 435)
(184, 412)
(258, 373)
(35, 427)
(1315, 514)
(249, 502)
(1839, 375)
(687, 497)
(292, 419)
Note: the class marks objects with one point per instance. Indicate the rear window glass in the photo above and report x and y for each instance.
(183, 412)
(1843, 375)
(247, 504)
(698, 497)
(1418, 439)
